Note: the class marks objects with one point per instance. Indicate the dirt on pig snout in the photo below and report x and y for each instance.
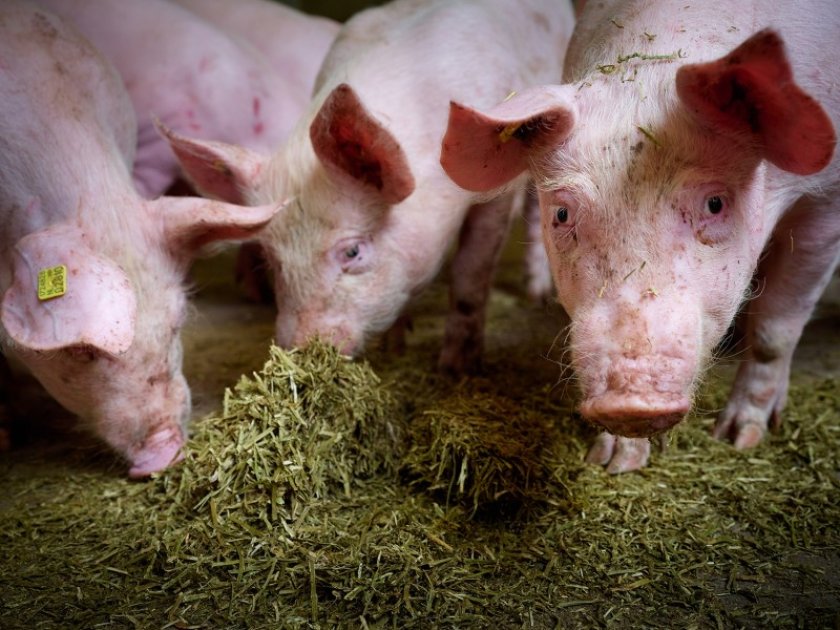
(328, 493)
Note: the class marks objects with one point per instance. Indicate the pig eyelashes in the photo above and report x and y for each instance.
(82, 353)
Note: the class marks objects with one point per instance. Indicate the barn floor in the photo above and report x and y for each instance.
(564, 564)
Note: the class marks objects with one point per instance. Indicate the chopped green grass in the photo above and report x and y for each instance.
(322, 496)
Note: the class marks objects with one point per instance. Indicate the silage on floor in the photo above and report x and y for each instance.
(308, 503)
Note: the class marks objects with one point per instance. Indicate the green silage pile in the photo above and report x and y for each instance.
(316, 499)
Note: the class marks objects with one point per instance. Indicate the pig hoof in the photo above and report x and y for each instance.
(454, 363)
(748, 436)
(743, 432)
(161, 450)
(619, 454)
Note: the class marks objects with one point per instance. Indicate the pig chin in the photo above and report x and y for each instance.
(640, 397)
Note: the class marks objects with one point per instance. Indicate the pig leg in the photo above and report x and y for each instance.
(393, 340)
(479, 246)
(800, 261)
(251, 274)
(537, 269)
(619, 454)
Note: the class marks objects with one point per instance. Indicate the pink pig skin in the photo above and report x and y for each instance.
(202, 79)
(373, 214)
(108, 349)
(689, 151)
(294, 43)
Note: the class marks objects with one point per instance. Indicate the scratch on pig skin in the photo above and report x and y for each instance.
(258, 127)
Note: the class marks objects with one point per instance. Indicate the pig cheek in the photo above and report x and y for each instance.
(564, 256)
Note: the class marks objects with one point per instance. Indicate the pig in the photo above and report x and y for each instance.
(199, 78)
(92, 293)
(689, 149)
(293, 43)
(372, 213)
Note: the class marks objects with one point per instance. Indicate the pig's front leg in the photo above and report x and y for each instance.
(619, 454)
(251, 274)
(393, 340)
(479, 244)
(796, 270)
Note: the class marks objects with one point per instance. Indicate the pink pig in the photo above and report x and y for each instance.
(202, 79)
(373, 213)
(689, 150)
(106, 344)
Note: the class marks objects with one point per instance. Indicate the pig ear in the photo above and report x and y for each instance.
(482, 151)
(219, 170)
(190, 223)
(350, 141)
(96, 310)
(751, 91)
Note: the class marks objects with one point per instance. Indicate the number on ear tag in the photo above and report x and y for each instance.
(52, 282)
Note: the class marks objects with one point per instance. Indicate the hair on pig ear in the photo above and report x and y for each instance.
(216, 169)
(191, 222)
(351, 142)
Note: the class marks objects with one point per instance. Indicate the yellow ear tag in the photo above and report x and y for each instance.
(52, 282)
(507, 133)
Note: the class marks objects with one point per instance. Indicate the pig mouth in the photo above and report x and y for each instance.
(635, 416)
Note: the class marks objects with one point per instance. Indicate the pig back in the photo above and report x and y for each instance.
(59, 98)
(410, 58)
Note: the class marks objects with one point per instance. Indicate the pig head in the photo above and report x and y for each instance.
(92, 294)
(342, 266)
(654, 210)
(108, 348)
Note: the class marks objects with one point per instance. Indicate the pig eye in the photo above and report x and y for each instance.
(351, 252)
(82, 353)
(559, 213)
(714, 204)
(353, 255)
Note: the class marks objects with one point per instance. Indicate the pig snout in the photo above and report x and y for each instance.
(160, 450)
(637, 366)
(635, 416)
(165, 436)
(297, 332)
(638, 397)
